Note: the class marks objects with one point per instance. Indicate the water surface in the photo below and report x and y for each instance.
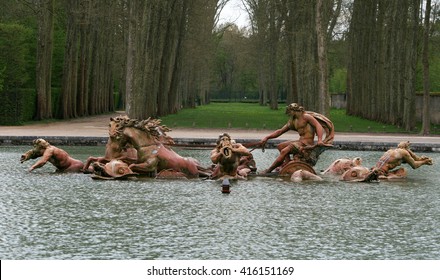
(47, 215)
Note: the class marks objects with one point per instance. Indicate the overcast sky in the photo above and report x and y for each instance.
(234, 12)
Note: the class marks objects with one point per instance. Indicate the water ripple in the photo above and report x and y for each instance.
(46, 215)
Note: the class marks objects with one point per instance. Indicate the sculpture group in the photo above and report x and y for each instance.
(143, 148)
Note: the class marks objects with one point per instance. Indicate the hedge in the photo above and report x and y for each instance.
(17, 106)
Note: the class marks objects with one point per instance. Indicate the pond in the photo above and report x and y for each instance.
(46, 215)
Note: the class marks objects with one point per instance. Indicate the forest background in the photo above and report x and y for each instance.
(73, 58)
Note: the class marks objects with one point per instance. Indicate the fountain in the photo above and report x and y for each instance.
(50, 215)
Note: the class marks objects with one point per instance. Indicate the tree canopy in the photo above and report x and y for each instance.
(154, 57)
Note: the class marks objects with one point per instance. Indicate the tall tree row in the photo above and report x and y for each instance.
(266, 25)
(157, 39)
(294, 34)
(383, 57)
(199, 51)
(45, 13)
(153, 47)
(160, 55)
(87, 87)
(426, 120)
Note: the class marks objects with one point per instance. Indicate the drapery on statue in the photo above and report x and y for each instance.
(231, 159)
(48, 153)
(304, 150)
(148, 137)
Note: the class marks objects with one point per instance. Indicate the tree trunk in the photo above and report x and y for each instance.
(45, 9)
(321, 34)
(412, 56)
(272, 47)
(426, 120)
(383, 57)
(84, 60)
(130, 56)
(70, 68)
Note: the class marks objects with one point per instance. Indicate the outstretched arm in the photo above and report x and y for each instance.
(240, 149)
(415, 163)
(45, 158)
(416, 157)
(275, 134)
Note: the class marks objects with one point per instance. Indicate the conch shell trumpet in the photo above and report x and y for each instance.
(226, 151)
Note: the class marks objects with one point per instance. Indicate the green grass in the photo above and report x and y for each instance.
(227, 115)
(346, 123)
(254, 116)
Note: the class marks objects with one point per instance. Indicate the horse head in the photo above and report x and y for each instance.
(149, 131)
(116, 126)
(37, 151)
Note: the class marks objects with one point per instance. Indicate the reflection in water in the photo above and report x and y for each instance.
(45, 215)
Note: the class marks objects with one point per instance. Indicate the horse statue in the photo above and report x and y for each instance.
(148, 137)
(114, 149)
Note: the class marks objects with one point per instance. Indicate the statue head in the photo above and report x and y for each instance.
(40, 143)
(115, 126)
(40, 146)
(224, 139)
(357, 161)
(359, 174)
(404, 145)
(294, 107)
(224, 143)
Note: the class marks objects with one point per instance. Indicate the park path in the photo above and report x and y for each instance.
(97, 126)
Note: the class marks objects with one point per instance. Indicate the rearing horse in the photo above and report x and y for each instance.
(149, 139)
(113, 148)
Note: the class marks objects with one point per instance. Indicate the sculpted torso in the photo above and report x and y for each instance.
(56, 156)
(304, 129)
(391, 159)
(395, 157)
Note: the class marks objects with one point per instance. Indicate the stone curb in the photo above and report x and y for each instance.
(209, 143)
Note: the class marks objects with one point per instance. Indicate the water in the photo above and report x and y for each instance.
(46, 215)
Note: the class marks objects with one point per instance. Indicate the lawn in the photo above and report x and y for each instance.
(254, 116)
